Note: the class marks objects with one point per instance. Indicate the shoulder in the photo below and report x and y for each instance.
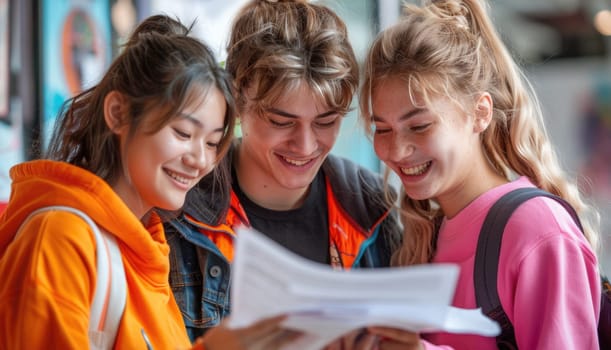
(56, 229)
(50, 249)
(54, 251)
(545, 216)
(542, 224)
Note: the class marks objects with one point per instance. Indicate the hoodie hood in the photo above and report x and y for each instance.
(41, 183)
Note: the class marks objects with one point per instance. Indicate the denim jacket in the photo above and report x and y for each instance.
(362, 229)
(199, 277)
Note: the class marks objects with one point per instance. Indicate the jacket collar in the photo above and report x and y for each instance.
(359, 191)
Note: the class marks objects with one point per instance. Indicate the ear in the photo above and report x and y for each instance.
(483, 112)
(115, 107)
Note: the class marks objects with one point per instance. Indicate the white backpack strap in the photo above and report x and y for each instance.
(110, 291)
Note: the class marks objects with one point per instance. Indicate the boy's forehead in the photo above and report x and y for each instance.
(286, 96)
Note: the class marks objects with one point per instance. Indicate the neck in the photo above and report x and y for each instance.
(481, 179)
(131, 198)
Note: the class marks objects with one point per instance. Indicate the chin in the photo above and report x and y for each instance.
(297, 184)
(419, 195)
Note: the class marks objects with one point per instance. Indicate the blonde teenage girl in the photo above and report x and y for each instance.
(453, 116)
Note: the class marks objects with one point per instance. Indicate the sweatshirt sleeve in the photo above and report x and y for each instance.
(48, 281)
(557, 296)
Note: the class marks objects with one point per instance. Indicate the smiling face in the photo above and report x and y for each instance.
(282, 150)
(159, 168)
(435, 150)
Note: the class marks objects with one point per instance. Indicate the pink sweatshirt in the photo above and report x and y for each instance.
(548, 280)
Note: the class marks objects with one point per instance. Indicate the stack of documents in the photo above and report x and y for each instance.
(268, 280)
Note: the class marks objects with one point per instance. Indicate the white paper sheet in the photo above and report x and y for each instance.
(268, 280)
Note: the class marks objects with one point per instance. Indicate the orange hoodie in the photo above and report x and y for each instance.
(49, 271)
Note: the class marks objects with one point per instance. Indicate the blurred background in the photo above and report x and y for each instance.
(52, 49)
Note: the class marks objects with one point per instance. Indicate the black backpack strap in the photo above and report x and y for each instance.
(604, 322)
(487, 257)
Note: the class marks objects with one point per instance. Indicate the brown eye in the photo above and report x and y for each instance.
(181, 134)
(327, 123)
(420, 127)
(279, 124)
(378, 130)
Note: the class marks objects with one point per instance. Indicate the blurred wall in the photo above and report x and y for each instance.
(576, 100)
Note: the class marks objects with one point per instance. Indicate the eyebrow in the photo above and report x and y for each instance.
(294, 116)
(405, 116)
(198, 123)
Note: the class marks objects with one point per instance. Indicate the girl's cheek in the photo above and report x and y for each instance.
(381, 147)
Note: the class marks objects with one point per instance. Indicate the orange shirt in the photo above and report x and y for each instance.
(49, 271)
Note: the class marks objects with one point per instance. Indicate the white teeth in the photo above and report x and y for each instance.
(177, 177)
(417, 170)
(295, 162)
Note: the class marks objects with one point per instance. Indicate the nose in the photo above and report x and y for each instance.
(198, 157)
(403, 148)
(396, 149)
(304, 140)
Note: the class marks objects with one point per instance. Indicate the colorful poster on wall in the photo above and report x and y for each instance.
(10, 132)
(11, 151)
(4, 60)
(76, 50)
